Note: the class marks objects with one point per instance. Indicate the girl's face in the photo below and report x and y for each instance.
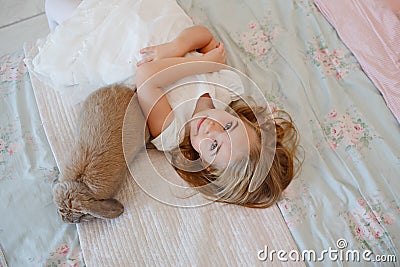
(220, 137)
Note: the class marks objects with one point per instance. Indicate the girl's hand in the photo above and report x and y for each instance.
(149, 53)
(172, 49)
(157, 52)
(154, 66)
(217, 54)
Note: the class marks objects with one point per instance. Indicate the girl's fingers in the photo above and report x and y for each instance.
(144, 60)
(150, 57)
(146, 49)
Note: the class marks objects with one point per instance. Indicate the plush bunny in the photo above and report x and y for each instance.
(96, 168)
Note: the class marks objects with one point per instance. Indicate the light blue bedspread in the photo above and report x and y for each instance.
(347, 194)
(31, 232)
(348, 188)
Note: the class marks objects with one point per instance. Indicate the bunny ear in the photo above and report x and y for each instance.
(59, 189)
(105, 208)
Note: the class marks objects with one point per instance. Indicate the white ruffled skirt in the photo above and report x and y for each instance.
(100, 43)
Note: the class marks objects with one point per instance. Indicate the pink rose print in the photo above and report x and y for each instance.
(293, 204)
(333, 114)
(347, 130)
(337, 131)
(65, 256)
(358, 128)
(388, 219)
(362, 202)
(11, 68)
(333, 145)
(63, 250)
(256, 42)
(336, 63)
(14, 148)
(253, 25)
(368, 222)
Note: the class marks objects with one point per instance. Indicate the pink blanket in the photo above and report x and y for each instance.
(371, 30)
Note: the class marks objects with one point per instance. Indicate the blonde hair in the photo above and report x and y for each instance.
(258, 180)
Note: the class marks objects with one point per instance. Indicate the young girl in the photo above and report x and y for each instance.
(229, 151)
(226, 152)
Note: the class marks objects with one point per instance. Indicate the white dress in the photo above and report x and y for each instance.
(183, 99)
(99, 45)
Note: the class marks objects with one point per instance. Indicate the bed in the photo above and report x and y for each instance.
(305, 60)
(30, 232)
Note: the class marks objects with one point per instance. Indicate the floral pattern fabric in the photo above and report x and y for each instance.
(347, 131)
(31, 232)
(348, 184)
(337, 63)
(257, 41)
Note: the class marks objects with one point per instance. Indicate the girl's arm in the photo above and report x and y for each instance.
(194, 38)
(202, 64)
(151, 97)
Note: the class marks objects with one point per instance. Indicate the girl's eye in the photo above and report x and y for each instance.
(228, 126)
(214, 145)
